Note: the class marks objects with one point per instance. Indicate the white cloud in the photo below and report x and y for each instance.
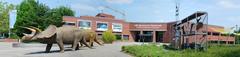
(83, 7)
(119, 1)
(157, 12)
(228, 4)
(234, 19)
(230, 21)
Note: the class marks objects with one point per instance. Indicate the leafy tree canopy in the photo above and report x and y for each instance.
(54, 16)
(32, 13)
(4, 16)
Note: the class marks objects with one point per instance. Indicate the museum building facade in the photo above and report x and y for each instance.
(138, 31)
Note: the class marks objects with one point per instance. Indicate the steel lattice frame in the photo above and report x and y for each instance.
(193, 27)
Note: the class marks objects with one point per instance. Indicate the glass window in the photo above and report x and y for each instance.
(84, 24)
(209, 33)
(101, 26)
(125, 37)
(215, 34)
(117, 27)
(70, 23)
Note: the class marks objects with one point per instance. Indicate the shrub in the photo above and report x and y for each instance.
(118, 37)
(108, 37)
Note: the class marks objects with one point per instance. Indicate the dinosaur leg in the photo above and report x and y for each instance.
(48, 48)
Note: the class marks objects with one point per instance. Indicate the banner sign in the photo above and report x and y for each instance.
(12, 17)
(148, 26)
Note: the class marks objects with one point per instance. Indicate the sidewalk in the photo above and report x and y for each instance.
(37, 50)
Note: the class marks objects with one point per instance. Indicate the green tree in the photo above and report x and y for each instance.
(54, 16)
(32, 13)
(4, 16)
(29, 13)
(237, 37)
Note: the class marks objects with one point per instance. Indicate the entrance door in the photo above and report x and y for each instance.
(145, 37)
(135, 35)
(159, 36)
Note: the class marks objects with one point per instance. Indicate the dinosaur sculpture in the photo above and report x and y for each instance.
(62, 35)
(91, 36)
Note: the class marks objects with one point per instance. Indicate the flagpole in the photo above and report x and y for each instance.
(12, 20)
(9, 33)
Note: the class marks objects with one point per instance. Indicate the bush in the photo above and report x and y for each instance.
(108, 37)
(118, 37)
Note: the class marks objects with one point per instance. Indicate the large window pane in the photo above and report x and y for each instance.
(84, 24)
(102, 26)
(117, 27)
(70, 23)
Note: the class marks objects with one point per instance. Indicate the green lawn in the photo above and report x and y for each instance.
(158, 51)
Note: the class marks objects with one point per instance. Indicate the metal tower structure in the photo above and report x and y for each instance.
(177, 4)
(121, 12)
(190, 32)
(176, 32)
(117, 11)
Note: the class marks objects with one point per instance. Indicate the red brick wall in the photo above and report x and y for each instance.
(168, 35)
(94, 21)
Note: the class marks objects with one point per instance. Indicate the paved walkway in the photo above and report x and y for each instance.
(37, 50)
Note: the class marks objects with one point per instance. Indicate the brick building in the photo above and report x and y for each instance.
(134, 31)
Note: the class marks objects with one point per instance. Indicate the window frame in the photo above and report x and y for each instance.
(68, 22)
(101, 29)
(117, 24)
(90, 27)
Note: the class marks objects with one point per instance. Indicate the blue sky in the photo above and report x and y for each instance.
(221, 12)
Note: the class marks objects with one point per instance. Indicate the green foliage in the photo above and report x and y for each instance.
(32, 13)
(4, 16)
(54, 16)
(237, 38)
(118, 37)
(108, 37)
(159, 51)
(29, 13)
(14, 36)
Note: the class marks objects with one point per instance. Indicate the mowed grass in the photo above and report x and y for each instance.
(158, 51)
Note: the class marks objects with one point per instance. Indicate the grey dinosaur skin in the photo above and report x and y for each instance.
(91, 37)
(62, 35)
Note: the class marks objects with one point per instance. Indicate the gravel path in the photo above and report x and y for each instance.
(37, 50)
